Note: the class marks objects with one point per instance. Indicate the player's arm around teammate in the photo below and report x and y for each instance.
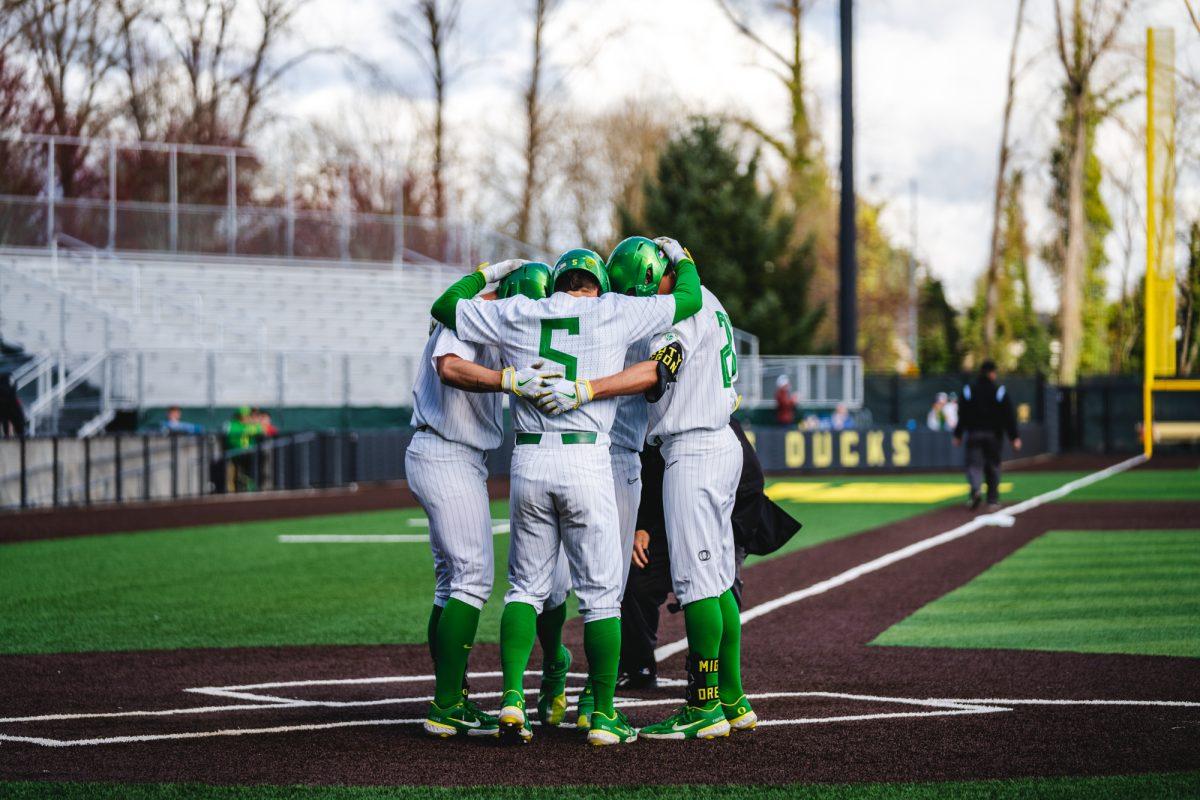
(696, 367)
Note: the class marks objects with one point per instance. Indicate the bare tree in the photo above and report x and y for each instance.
(1082, 39)
(797, 147)
(69, 44)
(227, 80)
(427, 29)
(535, 120)
(991, 280)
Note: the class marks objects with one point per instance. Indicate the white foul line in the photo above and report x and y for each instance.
(935, 707)
(368, 538)
(982, 521)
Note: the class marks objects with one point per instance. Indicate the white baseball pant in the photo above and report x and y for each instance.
(702, 470)
(449, 480)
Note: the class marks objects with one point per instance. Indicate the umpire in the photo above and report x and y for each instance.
(985, 417)
(759, 527)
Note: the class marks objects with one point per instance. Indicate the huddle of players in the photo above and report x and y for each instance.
(602, 358)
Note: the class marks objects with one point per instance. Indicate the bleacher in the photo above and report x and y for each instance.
(197, 330)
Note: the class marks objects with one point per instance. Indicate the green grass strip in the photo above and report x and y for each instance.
(1135, 592)
(1158, 785)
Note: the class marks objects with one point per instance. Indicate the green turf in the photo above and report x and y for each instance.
(235, 585)
(1132, 592)
(1163, 785)
(224, 586)
(1143, 484)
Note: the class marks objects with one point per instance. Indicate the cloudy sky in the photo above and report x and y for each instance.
(929, 81)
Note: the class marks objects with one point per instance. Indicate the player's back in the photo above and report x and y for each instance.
(703, 395)
(586, 336)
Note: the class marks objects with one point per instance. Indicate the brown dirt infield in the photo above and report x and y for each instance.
(817, 646)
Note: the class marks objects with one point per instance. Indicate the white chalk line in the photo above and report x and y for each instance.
(874, 565)
(946, 706)
(938, 707)
(499, 527)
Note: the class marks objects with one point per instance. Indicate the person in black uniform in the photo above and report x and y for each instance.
(759, 527)
(985, 417)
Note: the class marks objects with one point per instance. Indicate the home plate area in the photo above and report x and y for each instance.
(307, 706)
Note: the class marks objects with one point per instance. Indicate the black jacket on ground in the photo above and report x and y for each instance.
(986, 408)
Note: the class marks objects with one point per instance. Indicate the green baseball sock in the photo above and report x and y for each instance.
(602, 642)
(731, 649)
(703, 620)
(455, 635)
(518, 626)
(431, 632)
(549, 631)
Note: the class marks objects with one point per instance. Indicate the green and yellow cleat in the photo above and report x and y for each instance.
(606, 730)
(584, 708)
(552, 698)
(740, 715)
(513, 724)
(690, 722)
(462, 717)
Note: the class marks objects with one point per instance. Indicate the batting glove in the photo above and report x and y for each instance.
(674, 251)
(563, 396)
(529, 382)
(495, 272)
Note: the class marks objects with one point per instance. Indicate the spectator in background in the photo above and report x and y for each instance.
(240, 434)
(841, 419)
(951, 411)
(936, 420)
(12, 416)
(266, 429)
(785, 401)
(174, 423)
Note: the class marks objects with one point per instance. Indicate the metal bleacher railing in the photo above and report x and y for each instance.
(126, 303)
(279, 229)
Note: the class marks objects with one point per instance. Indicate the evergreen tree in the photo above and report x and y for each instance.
(703, 197)
(938, 346)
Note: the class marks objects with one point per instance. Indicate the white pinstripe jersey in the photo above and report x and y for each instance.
(471, 418)
(587, 336)
(702, 396)
(629, 425)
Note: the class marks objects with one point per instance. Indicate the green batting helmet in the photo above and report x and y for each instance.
(531, 280)
(636, 266)
(581, 258)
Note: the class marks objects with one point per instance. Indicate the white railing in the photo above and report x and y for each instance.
(224, 224)
(816, 381)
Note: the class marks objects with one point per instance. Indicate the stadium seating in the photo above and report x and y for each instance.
(201, 330)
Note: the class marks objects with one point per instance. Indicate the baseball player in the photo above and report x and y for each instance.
(760, 527)
(562, 491)
(690, 376)
(446, 471)
(628, 436)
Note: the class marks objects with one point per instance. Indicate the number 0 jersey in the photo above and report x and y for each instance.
(586, 336)
(701, 348)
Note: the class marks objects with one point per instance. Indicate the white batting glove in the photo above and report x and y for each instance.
(493, 273)
(530, 383)
(563, 396)
(674, 251)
